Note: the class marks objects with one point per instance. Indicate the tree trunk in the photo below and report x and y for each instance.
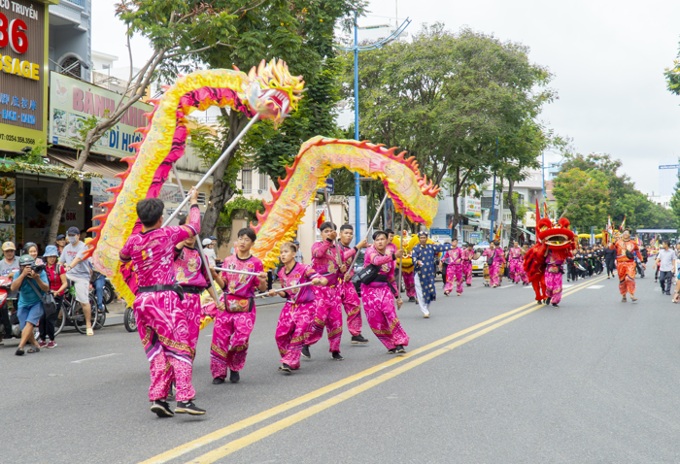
(58, 209)
(514, 232)
(221, 191)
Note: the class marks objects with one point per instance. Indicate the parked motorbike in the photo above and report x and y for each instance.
(9, 322)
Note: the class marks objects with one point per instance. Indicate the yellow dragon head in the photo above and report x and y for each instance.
(272, 91)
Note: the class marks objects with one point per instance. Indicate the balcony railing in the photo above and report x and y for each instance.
(80, 3)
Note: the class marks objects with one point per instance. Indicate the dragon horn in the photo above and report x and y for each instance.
(538, 211)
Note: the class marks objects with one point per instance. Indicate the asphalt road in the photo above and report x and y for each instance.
(489, 378)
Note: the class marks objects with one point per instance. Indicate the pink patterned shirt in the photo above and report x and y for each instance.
(190, 269)
(455, 256)
(468, 254)
(152, 252)
(347, 257)
(515, 253)
(385, 262)
(300, 274)
(325, 260)
(241, 285)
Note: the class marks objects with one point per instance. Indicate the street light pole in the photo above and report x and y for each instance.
(356, 49)
(493, 198)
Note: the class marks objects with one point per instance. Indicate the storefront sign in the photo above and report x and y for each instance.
(473, 207)
(73, 101)
(23, 86)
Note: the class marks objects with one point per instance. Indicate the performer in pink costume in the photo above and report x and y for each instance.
(522, 272)
(498, 259)
(553, 278)
(468, 254)
(298, 312)
(327, 261)
(161, 319)
(379, 295)
(192, 275)
(409, 282)
(454, 271)
(348, 293)
(515, 263)
(233, 325)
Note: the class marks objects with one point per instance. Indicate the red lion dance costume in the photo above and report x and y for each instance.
(543, 262)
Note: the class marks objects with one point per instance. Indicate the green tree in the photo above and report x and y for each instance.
(177, 30)
(582, 196)
(302, 33)
(446, 98)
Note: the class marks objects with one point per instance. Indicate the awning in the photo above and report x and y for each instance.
(107, 169)
(526, 231)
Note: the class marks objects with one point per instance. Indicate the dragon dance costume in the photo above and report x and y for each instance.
(378, 298)
(626, 250)
(296, 315)
(328, 312)
(161, 319)
(348, 293)
(234, 325)
(454, 271)
(191, 274)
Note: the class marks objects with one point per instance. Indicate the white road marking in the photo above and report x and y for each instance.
(595, 287)
(79, 361)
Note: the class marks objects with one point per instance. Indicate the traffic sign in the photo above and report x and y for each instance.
(669, 166)
(440, 232)
(330, 185)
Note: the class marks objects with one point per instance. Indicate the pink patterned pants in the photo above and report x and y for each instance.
(230, 341)
(382, 316)
(494, 274)
(329, 315)
(454, 272)
(467, 272)
(350, 300)
(515, 270)
(553, 285)
(193, 311)
(409, 283)
(164, 331)
(292, 330)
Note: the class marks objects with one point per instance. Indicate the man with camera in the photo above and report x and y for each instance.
(78, 271)
(29, 308)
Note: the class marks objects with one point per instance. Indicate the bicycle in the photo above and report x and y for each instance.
(71, 311)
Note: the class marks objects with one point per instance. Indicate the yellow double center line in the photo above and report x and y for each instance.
(403, 363)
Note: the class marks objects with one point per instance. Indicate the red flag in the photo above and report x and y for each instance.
(321, 219)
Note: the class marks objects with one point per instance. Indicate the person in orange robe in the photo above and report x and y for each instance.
(626, 251)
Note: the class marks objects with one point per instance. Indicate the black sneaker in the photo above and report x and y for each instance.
(392, 351)
(359, 339)
(234, 376)
(547, 301)
(285, 368)
(400, 349)
(337, 356)
(218, 380)
(161, 409)
(189, 407)
(556, 305)
(305, 352)
(411, 299)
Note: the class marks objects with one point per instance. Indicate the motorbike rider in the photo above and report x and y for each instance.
(8, 265)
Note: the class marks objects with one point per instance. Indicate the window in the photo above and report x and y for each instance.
(264, 181)
(247, 181)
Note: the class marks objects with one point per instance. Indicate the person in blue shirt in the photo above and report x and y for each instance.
(423, 256)
(29, 308)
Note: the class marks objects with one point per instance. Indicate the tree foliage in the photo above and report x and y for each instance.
(447, 98)
(622, 199)
(582, 196)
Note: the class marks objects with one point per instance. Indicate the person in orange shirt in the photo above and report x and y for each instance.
(626, 251)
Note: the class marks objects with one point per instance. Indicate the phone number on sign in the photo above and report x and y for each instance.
(17, 138)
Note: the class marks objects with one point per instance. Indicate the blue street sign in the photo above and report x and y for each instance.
(669, 166)
(330, 185)
(440, 232)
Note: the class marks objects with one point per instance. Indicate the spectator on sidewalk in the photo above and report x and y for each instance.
(56, 276)
(665, 262)
(8, 265)
(78, 271)
(30, 285)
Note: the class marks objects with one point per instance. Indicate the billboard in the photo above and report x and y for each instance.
(73, 101)
(23, 82)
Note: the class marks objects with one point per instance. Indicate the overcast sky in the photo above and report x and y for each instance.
(607, 58)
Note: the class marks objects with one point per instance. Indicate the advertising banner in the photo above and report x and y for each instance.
(23, 82)
(73, 101)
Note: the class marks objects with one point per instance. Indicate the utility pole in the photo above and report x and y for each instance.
(356, 49)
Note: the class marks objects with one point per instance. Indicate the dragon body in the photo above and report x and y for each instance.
(268, 90)
(411, 192)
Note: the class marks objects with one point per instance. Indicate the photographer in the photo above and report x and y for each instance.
(29, 307)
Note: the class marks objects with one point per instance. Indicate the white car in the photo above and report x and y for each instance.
(478, 260)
